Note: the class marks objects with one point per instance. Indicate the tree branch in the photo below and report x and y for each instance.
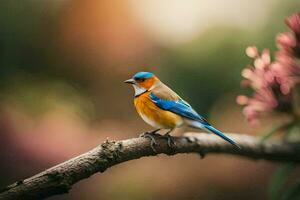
(60, 178)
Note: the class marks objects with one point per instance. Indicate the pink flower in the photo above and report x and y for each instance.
(293, 23)
(273, 82)
(286, 41)
(252, 52)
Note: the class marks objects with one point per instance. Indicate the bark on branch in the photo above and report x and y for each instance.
(60, 178)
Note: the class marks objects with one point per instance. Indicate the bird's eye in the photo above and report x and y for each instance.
(140, 79)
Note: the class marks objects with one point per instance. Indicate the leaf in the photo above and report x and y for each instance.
(293, 193)
(275, 130)
(278, 180)
(292, 134)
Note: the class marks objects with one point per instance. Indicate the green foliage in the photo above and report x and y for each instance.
(293, 193)
(287, 128)
(278, 180)
(36, 97)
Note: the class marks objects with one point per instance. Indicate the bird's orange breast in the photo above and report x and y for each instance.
(155, 116)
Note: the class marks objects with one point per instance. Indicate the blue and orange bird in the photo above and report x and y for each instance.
(162, 108)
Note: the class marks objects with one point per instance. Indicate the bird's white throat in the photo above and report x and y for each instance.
(138, 90)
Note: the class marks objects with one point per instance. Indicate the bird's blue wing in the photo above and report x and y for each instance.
(184, 109)
(179, 107)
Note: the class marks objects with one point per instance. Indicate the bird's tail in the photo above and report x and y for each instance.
(211, 129)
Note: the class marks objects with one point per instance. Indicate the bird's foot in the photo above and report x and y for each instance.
(170, 140)
(151, 135)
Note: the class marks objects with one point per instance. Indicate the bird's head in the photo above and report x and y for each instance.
(142, 82)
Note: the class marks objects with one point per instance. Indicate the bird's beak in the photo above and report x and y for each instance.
(130, 81)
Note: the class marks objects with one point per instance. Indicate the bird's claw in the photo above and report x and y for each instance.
(151, 136)
(153, 133)
(170, 140)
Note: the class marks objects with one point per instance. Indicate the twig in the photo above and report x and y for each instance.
(60, 178)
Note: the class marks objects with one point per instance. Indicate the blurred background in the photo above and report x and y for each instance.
(62, 67)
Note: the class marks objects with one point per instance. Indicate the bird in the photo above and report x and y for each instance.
(160, 107)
